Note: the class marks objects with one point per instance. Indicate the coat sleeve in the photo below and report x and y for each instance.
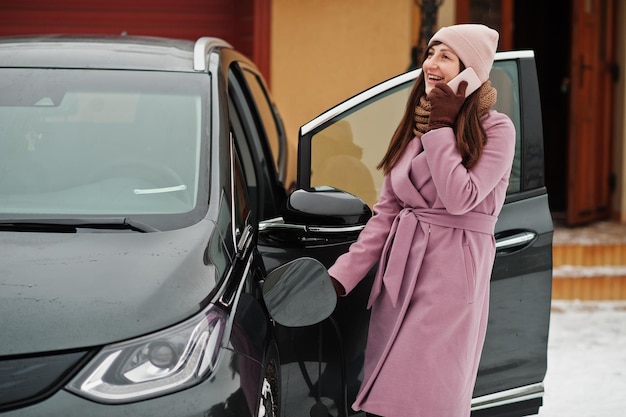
(461, 189)
(351, 267)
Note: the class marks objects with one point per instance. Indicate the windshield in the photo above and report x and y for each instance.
(79, 143)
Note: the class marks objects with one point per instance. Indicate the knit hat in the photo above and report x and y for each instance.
(474, 44)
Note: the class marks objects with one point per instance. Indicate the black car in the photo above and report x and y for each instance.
(144, 217)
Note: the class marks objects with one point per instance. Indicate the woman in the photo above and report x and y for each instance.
(446, 174)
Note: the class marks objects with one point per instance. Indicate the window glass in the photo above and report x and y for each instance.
(241, 207)
(345, 153)
(265, 109)
(246, 166)
(257, 167)
(505, 80)
(75, 142)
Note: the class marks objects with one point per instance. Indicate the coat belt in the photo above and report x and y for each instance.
(400, 243)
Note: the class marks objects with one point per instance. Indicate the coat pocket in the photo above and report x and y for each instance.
(470, 273)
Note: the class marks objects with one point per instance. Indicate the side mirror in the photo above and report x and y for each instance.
(325, 206)
(299, 293)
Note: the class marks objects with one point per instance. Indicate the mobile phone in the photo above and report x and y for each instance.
(469, 75)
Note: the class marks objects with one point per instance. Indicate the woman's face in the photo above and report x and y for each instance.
(441, 65)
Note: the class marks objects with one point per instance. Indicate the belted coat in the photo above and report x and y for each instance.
(432, 235)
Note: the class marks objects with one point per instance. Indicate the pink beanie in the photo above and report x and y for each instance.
(474, 44)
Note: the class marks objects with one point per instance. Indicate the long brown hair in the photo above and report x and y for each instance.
(470, 135)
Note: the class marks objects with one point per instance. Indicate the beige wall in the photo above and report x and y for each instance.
(325, 51)
(619, 115)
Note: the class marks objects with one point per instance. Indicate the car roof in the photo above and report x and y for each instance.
(106, 52)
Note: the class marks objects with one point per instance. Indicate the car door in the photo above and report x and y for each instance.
(341, 148)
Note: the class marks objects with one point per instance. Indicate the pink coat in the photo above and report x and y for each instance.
(433, 234)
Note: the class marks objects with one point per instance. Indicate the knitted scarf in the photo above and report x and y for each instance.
(487, 98)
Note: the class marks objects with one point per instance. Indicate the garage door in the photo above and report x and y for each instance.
(231, 20)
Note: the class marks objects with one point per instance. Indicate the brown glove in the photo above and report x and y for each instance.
(445, 105)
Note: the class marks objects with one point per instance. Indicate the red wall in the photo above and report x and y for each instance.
(232, 20)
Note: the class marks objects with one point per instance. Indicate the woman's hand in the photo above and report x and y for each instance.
(445, 105)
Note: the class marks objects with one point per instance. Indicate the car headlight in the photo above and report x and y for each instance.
(153, 365)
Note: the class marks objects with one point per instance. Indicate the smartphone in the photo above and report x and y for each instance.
(469, 75)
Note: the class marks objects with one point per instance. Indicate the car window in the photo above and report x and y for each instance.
(76, 142)
(347, 148)
(241, 206)
(345, 153)
(258, 169)
(255, 174)
(268, 119)
(245, 165)
(505, 79)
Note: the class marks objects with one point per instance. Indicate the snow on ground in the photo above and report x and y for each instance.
(586, 360)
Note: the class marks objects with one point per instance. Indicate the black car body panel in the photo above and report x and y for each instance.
(107, 286)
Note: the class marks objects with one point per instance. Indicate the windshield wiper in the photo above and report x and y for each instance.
(69, 225)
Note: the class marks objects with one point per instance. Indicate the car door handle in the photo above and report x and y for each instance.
(516, 240)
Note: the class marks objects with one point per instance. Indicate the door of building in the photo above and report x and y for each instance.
(589, 144)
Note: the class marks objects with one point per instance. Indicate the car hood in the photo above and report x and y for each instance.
(71, 291)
